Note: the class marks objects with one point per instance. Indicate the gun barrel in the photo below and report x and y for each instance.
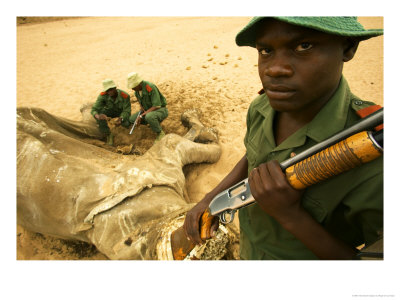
(134, 124)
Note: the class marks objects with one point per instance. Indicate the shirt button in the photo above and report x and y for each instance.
(358, 102)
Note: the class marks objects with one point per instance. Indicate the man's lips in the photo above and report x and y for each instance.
(279, 92)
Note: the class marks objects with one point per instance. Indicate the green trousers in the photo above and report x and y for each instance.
(153, 118)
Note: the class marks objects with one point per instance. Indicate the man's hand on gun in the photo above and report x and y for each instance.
(192, 224)
(269, 187)
(139, 119)
(273, 193)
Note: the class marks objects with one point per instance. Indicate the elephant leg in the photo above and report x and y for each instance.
(197, 131)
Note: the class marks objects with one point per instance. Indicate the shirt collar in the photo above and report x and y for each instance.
(143, 91)
(118, 96)
(262, 106)
(319, 129)
(333, 115)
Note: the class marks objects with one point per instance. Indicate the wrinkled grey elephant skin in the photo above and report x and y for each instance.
(74, 190)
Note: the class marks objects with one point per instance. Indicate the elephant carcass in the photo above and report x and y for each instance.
(126, 206)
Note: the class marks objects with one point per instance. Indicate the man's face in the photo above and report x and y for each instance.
(299, 68)
(138, 88)
(112, 92)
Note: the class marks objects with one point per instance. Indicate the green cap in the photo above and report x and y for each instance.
(343, 26)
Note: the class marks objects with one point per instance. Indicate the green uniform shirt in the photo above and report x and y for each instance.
(121, 106)
(349, 206)
(151, 96)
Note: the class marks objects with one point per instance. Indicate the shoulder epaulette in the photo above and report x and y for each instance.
(366, 111)
(124, 95)
(148, 88)
(103, 93)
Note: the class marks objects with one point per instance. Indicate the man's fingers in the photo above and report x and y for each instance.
(214, 227)
(264, 178)
(275, 170)
(255, 181)
(192, 230)
(271, 175)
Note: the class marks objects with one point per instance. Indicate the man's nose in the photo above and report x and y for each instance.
(279, 66)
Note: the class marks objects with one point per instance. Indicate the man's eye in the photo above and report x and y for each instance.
(264, 51)
(303, 47)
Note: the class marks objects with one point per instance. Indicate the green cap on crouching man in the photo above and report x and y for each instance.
(342, 26)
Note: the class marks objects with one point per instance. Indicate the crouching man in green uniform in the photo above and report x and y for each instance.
(305, 99)
(111, 103)
(153, 105)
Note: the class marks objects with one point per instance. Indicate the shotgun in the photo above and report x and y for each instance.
(135, 123)
(343, 151)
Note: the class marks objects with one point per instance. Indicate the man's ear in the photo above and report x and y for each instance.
(350, 48)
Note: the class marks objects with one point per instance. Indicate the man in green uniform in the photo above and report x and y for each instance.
(305, 99)
(111, 103)
(153, 105)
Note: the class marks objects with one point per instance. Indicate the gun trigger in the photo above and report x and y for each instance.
(230, 213)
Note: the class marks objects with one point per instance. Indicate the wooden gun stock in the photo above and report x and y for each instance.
(181, 245)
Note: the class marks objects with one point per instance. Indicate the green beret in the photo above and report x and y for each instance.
(343, 26)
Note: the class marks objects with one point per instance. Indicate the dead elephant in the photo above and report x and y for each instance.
(126, 206)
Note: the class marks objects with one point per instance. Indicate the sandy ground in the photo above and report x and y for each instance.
(193, 60)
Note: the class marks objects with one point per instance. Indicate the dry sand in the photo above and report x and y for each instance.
(193, 60)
